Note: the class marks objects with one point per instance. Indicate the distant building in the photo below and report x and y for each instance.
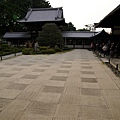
(83, 39)
(37, 17)
(17, 38)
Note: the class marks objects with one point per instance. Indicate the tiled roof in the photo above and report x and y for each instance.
(43, 14)
(112, 19)
(17, 35)
(78, 34)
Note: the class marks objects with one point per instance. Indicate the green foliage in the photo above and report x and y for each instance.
(12, 10)
(68, 27)
(47, 51)
(27, 51)
(6, 53)
(58, 50)
(15, 50)
(7, 50)
(50, 36)
(3, 46)
(43, 48)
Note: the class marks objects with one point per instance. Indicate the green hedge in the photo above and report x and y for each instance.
(4, 46)
(58, 50)
(15, 50)
(43, 48)
(27, 51)
(47, 51)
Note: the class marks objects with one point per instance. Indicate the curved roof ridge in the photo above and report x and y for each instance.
(28, 14)
(35, 9)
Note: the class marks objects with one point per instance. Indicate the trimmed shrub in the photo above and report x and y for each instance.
(7, 50)
(6, 53)
(1, 53)
(27, 51)
(58, 50)
(15, 50)
(48, 51)
(43, 48)
(5, 46)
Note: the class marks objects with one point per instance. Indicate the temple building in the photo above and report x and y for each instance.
(83, 39)
(38, 17)
(112, 20)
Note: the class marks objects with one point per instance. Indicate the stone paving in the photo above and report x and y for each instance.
(74, 85)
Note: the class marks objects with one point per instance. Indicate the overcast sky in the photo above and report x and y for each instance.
(83, 12)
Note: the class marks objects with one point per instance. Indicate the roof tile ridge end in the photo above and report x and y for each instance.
(28, 14)
(58, 9)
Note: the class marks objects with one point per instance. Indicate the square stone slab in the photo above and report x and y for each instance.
(8, 93)
(10, 64)
(112, 93)
(70, 99)
(87, 75)
(30, 76)
(58, 78)
(49, 97)
(87, 67)
(11, 115)
(65, 66)
(55, 83)
(16, 86)
(30, 116)
(54, 59)
(89, 80)
(91, 92)
(27, 95)
(85, 60)
(38, 70)
(23, 81)
(26, 64)
(45, 109)
(16, 61)
(67, 111)
(5, 75)
(51, 89)
(90, 85)
(17, 69)
(87, 72)
(63, 71)
(67, 62)
(95, 113)
(93, 101)
(1, 68)
(85, 63)
(45, 65)
(73, 90)
(4, 103)
(49, 61)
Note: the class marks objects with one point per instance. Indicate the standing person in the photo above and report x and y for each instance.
(112, 50)
(9, 43)
(92, 46)
(105, 49)
(36, 46)
(117, 50)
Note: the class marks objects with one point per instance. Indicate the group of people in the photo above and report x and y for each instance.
(107, 49)
(33, 44)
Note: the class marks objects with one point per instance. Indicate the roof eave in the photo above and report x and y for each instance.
(104, 23)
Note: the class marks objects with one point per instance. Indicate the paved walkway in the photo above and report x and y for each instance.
(71, 86)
